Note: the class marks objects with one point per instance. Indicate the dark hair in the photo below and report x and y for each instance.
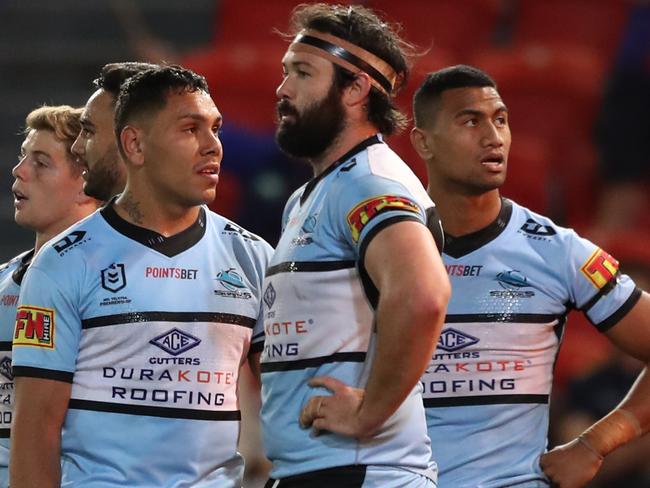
(113, 75)
(362, 27)
(429, 92)
(147, 92)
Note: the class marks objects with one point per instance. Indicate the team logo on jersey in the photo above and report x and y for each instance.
(232, 281)
(233, 229)
(453, 340)
(34, 327)
(175, 341)
(304, 237)
(5, 368)
(269, 295)
(539, 231)
(600, 268)
(73, 239)
(512, 282)
(363, 213)
(114, 277)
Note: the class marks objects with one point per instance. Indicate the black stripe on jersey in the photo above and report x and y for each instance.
(47, 374)
(149, 411)
(5, 433)
(308, 266)
(369, 287)
(351, 476)
(466, 401)
(615, 318)
(187, 317)
(524, 318)
(609, 286)
(5, 345)
(339, 357)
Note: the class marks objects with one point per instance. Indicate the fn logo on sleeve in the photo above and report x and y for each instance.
(34, 327)
(600, 268)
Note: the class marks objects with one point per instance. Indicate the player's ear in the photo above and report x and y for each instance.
(420, 143)
(132, 143)
(358, 91)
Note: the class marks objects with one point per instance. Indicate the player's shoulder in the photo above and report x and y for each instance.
(73, 244)
(13, 263)
(379, 170)
(536, 227)
(235, 233)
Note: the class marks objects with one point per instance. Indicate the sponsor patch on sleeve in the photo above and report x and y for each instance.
(363, 213)
(600, 268)
(34, 327)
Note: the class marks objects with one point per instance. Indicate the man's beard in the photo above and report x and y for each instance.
(104, 180)
(311, 133)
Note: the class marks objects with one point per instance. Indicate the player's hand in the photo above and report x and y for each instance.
(337, 413)
(571, 465)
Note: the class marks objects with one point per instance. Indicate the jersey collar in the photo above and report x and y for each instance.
(169, 246)
(21, 269)
(355, 150)
(457, 247)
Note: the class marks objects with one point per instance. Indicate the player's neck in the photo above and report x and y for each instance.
(75, 214)
(349, 137)
(463, 214)
(166, 219)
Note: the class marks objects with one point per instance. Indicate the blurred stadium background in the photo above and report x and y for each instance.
(567, 69)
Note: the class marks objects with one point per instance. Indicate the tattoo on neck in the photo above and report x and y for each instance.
(132, 208)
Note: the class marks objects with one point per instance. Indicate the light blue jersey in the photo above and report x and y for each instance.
(487, 389)
(11, 276)
(151, 331)
(319, 314)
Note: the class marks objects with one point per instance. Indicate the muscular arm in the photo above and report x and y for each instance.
(405, 266)
(575, 463)
(40, 407)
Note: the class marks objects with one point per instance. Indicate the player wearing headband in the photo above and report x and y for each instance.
(356, 292)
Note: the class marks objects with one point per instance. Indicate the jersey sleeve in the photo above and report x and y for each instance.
(597, 286)
(48, 328)
(371, 203)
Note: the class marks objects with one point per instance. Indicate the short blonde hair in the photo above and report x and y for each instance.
(63, 121)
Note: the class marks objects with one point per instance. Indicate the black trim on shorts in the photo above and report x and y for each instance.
(351, 476)
(457, 247)
(622, 311)
(466, 401)
(47, 374)
(169, 246)
(5, 345)
(151, 411)
(5, 433)
(308, 266)
(525, 318)
(339, 357)
(186, 317)
(369, 287)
